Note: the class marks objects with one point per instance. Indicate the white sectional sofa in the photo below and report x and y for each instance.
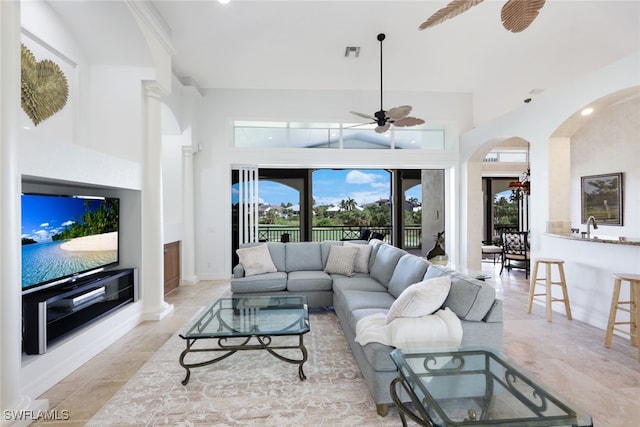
(305, 268)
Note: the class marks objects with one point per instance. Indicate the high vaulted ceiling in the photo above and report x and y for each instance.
(300, 44)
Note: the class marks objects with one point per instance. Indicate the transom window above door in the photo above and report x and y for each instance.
(259, 134)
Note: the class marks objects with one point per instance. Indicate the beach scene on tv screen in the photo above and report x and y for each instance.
(62, 236)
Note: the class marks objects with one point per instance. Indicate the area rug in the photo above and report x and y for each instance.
(250, 388)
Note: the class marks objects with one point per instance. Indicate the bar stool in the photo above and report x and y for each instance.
(632, 307)
(547, 282)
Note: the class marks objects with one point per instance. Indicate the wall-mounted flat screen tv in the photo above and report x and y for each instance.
(66, 237)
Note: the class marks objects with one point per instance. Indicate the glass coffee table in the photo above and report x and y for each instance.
(475, 387)
(246, 323)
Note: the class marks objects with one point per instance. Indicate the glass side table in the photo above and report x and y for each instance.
(476, 387)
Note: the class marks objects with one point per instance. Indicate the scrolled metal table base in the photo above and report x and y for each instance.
(404, 411)
(264, 343)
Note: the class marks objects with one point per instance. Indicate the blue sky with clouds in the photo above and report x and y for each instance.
(43, 216)
(330, 186)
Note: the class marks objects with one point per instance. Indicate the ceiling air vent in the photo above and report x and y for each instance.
(352, 52)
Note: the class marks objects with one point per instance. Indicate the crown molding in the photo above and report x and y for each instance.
(154, 22)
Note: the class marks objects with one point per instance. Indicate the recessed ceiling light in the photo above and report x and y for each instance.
(223, 1)
(586, 111)
(352, 52)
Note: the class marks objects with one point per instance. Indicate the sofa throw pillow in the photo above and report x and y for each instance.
(340, 260)
(420, 299)
(361, 263)
(256, 260)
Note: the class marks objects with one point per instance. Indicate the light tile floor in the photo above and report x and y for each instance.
(568, 356)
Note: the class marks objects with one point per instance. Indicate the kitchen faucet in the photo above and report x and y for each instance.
(590, 220)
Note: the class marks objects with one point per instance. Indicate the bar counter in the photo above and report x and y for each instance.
(612, 240)
(589, 267)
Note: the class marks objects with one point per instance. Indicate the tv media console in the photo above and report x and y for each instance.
(50, 314)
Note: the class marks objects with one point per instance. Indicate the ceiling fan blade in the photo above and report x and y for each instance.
(358, 125)
(454, 8)
(363, 115)
(517, 15)
(383, 129)
(397, 113)
(408, 121)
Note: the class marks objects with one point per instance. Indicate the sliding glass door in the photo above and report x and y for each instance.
(402, 207)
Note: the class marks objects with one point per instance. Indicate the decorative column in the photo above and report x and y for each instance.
(189, 276)
(152, 274)
(10, 251)
(433, 218)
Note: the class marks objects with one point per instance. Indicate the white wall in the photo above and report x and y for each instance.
(172, 187)
(104, 109)
(588, 265)
(177, 132)
(608, 144)
(115, 107)
(213, 164)
(536, 122)
(57, 168)
(47, 39)
(92, 145)
(100, 144)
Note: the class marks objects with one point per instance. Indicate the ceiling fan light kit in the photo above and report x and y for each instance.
(399, 116)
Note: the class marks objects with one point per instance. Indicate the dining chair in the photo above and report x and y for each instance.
(515, 251)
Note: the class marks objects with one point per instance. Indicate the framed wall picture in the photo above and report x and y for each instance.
(602, 198)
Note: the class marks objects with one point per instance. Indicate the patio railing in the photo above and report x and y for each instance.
(279, 233)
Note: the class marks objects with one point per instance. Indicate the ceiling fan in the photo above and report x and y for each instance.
(399, 116)
(516, 15)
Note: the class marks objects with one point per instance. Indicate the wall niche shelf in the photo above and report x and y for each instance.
(51, 314)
